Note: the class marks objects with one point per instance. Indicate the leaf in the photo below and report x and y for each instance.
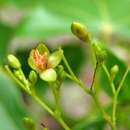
(100, 16)
(92, 122)
(6, 33)
(6, 122)
(11, 100)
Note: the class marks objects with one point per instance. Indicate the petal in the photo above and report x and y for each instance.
(55, 58)
(42, 48)
(49, 75)
(31, 61)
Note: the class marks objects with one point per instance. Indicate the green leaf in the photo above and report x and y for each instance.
(6, 33)
(12, 102)
(48, 75)
(6, 122)
(94, 121)
(100, 16)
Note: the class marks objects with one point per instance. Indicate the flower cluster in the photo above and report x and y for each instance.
(45, 63)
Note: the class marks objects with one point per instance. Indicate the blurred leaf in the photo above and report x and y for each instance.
(75, 56)
(6, 122)
(54, 17)
(20, 4)
(6, 33)
(123, 116)
(92, 122)
(11, 100)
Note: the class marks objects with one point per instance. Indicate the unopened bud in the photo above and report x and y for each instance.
(99, 51)
(13, 62)
(18, 74)
(80, 31)
(113, 72)
(33, 76)
(29, 124)
(61, 72)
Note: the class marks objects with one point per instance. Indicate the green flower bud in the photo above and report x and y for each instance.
(29, 124)
(45, 129)
(61, 72)
(80, 31)
(13, 62)
(113, 72)
(99, 51)
(33, 76)
(18, 74)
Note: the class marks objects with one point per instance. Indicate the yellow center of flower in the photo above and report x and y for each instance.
(40, 60)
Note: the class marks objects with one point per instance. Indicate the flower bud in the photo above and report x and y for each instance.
(29, 124)
(60, 72)
(80, 31)
(33, 76)
(18, 74)
(99, 51)
(113, 72)
(13, 62)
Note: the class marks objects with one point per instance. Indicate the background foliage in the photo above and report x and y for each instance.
(24, 23)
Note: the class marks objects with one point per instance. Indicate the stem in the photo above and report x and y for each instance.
(109, 78)
(63, 124)
(45, 106)
(123, 79)
(38, 100)
(94, 76)
(73, 77)
(93, 95)
(68, 66)
(56, 94)
(14, 78)
(58, 118)
(116, 98)
(79, 82)
(114, 111)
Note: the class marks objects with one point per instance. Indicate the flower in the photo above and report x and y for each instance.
(44, 63)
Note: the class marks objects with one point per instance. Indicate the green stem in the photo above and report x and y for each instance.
(116, 98)
(123, 79)
(93, 95)
(63, 124)
(79, 82)
(114, 111)
(14, 78)
(44, 105)
(109, 78)
(56, 94)
(73, 77)
(38, 100)
(68, 66)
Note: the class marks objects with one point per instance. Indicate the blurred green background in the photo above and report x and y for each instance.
(25, 23)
